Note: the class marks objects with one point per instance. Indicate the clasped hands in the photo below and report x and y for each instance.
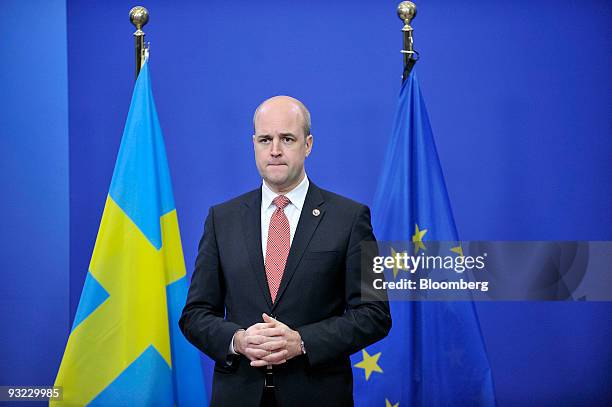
(268, 343)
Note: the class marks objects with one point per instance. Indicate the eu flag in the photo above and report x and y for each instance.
(434, 354)
(125, 347)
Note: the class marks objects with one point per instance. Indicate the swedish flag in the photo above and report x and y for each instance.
(434, 354)
(125, 347)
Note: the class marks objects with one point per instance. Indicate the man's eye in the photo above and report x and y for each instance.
(264, 140)
(287, 140)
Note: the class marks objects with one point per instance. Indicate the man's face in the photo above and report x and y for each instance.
(280, 144)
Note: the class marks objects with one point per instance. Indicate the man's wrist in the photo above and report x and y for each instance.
(234, 345)
(301, 348)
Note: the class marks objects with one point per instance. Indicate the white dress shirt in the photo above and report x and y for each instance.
(296, 196)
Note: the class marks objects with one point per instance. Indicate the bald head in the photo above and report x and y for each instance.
(286, 105)
(280, 150)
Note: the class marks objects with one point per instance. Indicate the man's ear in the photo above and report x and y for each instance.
(309, 141)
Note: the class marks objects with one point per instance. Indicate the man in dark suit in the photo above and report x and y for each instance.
(276, 295)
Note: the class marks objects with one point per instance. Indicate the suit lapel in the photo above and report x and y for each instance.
(305, 229)
(252, 227)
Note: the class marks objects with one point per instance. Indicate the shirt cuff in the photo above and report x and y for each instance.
(232, 350)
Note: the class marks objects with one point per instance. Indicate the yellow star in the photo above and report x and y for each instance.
(417, 239)
(397, 265)
(369, 364)
(458, 250)
(388, 403)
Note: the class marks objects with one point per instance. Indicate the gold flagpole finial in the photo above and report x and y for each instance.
(139, 16)
(406, 11)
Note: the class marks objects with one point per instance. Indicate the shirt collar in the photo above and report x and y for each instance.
(297, 195)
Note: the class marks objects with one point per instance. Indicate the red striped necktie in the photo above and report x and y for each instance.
(277, 249)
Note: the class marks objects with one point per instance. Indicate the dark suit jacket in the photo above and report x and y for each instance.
(319, 296)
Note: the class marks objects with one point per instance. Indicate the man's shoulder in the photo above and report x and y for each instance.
(251, 197)
(341, 201)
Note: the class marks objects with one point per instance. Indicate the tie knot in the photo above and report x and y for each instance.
(281, 201)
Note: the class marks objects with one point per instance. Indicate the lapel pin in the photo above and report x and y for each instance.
(316, 212)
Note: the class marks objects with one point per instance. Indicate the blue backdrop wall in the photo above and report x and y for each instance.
(34, 241)
(518, 95)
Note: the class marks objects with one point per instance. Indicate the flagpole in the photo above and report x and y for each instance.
(139, 16)
(406, 11)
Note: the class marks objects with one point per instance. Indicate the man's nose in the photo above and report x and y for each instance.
(276, 148)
